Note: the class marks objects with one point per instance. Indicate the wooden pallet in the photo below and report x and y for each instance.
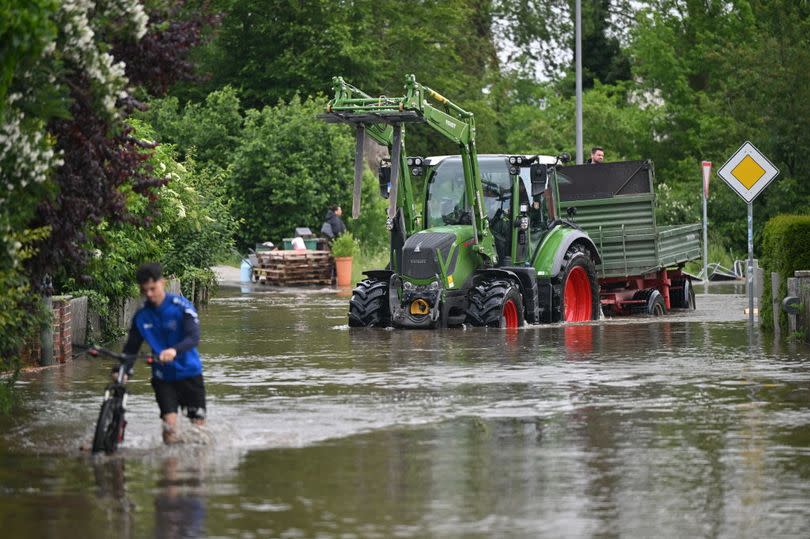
(285, 268)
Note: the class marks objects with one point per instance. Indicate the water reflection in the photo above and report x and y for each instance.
(670, 426)
(179, 503)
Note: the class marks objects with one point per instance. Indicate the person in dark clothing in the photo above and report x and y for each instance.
(170, 326)
(333, 225)
(597, 155)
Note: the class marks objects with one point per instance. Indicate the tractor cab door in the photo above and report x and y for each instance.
(498, 197)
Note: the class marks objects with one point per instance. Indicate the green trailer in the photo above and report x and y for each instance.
(641, 268)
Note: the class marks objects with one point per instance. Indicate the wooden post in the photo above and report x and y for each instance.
(803, 293)
(793, 290)
(776, 303)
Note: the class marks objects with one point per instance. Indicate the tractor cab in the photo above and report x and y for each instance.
(516, 209)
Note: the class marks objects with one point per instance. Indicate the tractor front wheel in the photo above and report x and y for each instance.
(576, 291)
(495, 303)
(369, 304)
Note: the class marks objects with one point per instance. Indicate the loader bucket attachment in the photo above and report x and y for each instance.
(358, 170)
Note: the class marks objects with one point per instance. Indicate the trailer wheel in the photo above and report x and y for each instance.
(654, 306)
(685, 298)
(576, 291)
(495, 303)
(369, 304)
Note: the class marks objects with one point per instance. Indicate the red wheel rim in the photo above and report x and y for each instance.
(510, 314)
(577, 296)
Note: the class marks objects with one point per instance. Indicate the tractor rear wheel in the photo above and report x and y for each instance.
(369, 304)
(576, 291)
(495, 303)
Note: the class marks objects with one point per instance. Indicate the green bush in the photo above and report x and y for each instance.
(22, 314)
(345, 245)
(187, 230)
(288, 169)
(785, 249)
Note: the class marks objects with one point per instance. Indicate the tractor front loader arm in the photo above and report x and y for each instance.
(383, 118)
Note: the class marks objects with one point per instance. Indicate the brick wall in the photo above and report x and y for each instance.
(62, 329)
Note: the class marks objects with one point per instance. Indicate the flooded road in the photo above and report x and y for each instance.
(680, 426)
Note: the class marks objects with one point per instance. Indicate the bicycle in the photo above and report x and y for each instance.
(111, 422)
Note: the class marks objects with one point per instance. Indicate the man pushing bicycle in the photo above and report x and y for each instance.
(170, 326)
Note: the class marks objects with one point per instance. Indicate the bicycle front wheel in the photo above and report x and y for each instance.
(107, 428)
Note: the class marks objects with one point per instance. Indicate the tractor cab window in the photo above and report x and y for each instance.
(447, 202)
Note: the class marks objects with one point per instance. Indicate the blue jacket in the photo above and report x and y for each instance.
(164, 327)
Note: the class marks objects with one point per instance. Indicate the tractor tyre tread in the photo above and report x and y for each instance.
(486, 301)
(369, 304)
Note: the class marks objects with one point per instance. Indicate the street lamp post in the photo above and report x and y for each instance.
(578, 52)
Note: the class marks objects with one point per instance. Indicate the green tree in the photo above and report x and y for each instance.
(288, 169)
(719, 74)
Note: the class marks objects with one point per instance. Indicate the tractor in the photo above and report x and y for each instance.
(483, 245)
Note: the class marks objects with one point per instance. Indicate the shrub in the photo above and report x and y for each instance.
(785, 249)
(345, 245)
(288, 169)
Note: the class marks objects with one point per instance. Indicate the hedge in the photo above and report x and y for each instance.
(785, 249)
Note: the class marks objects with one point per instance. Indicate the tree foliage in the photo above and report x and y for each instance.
(288, 170)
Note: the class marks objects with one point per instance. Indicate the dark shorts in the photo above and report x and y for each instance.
(188, 394)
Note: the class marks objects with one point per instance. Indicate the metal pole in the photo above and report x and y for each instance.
(776, 304)
(751, 264)
(705, 247)
(578, 52)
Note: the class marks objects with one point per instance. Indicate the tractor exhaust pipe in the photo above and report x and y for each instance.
(358, 170)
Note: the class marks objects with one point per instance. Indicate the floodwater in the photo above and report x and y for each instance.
(679, 426)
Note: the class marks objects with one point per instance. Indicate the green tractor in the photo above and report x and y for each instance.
(485, 246)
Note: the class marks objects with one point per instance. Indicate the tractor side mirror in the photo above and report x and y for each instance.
(385, 180)
(564, 157)
(538, 174)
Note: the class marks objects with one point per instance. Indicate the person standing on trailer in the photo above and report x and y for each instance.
(597, 155)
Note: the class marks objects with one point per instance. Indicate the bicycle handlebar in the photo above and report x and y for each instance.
(95, 351)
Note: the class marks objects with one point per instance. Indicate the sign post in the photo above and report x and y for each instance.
(748, 172)
(707, 172)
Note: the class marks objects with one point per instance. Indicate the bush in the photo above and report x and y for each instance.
(345, 245)
(288, 169)
(22, 314)
(785, 249)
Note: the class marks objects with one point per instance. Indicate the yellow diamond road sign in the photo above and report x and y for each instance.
(748, 172)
